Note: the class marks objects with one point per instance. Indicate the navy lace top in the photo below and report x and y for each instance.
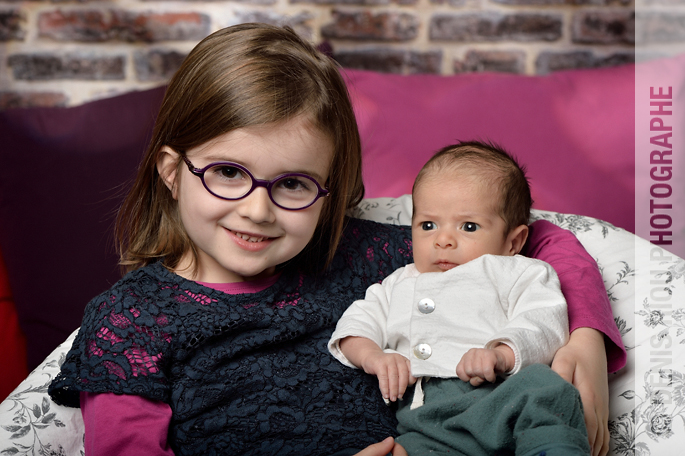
(247, 373)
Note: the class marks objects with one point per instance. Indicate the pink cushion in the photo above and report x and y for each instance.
(574, 130)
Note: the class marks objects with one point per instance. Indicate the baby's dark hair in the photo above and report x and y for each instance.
(493, 165)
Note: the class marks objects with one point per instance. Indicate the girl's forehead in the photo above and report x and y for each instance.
(292, 145)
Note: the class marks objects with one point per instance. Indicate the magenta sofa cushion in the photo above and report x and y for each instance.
(574, 131)
(65, 169)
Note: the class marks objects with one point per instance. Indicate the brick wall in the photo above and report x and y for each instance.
(66, 52)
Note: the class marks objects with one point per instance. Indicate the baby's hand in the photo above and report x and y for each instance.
(393, 372)
(481, 364)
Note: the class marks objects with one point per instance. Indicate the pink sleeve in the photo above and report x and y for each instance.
(581, 283)
(125, 424)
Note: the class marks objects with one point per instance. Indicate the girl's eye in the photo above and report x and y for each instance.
(294, 184)
(470, 227)
(427, 226)
(227, 172)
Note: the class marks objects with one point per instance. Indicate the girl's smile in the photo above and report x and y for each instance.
(250, 242)
(245, 239)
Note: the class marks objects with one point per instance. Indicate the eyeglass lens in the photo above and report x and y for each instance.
(291, 191)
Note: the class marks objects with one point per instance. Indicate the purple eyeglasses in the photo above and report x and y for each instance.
(231, 181)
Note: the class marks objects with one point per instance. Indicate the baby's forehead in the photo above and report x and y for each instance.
(485, 179)
(473, 192)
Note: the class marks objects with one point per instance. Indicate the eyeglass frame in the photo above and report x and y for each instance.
(267, 184)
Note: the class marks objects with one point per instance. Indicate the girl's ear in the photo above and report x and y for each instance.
(167, 167)
(517, 238)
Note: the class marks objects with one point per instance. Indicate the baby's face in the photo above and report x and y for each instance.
(455, 222)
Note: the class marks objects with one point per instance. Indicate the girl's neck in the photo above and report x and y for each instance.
(252, 286)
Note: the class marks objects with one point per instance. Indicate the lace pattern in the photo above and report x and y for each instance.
(244, 374)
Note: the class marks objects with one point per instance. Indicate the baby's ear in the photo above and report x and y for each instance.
(517, 238)
(167, 167)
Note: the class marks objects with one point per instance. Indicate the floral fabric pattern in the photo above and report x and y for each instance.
(645, 284)
(32, 424)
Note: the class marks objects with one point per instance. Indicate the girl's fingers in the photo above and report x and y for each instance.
(379, 449)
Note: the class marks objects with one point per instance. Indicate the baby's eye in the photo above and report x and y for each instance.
(427, 226)
(470, 227)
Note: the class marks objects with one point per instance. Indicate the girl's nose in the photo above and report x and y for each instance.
(257, 206)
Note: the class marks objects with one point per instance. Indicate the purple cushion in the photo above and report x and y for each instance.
(60, 184)
(574, 130)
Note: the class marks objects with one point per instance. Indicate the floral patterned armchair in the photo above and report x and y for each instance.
(645, 284)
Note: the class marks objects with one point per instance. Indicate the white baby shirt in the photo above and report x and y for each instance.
(434, 318)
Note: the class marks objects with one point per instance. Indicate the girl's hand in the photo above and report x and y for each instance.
(383, 448)
(479, 365)
(582, 362)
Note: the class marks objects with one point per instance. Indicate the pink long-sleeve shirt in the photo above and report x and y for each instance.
(142, 424)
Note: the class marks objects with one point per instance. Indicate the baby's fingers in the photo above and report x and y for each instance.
(487, 372)
(405, 377)
(393, 381)
(461, 371)
(476, 381)
(384, 384)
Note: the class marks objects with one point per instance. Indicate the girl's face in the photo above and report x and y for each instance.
(246, 239)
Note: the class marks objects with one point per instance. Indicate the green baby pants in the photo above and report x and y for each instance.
(532, 412)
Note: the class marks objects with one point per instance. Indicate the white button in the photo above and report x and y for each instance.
(426, 306)
(423, 351)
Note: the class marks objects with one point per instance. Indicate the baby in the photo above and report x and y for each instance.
(469, 307)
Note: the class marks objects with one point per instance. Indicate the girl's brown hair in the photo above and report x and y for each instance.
(240, 76)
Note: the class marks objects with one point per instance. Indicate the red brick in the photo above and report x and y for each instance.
(298, 22)
(449, 2)
(391, 60)
(490, 26)
(662, 27)
(560, 2)
(548, 61)
(156, 64)
(366, 25)
(357, 2)
(12, 100)
(604, 27)
(92, 25)
(11, 25)
(495, 61)
(46, 67)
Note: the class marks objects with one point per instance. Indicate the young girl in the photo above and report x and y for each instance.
(241, 261)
